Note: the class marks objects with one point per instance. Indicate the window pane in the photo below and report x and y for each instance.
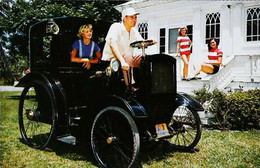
(213, 19)
(189, 29)
(249, 28)
(207, 31)
(162, 32)
(254, 15)
(212, 31)
(218, 20)
(207, 19)
(255, 27)
(162, 41)
(249, 17)
(218, 30)
(258, 26)
(173, 34)
(162, 50)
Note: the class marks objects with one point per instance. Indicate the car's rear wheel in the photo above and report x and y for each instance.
(37, 114)
(114, 138)
(186, 128)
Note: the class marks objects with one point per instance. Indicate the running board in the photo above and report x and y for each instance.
(69, 139)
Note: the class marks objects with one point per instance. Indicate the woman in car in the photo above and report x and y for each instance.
(85, 50)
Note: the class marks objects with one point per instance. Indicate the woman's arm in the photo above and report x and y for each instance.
(178, 47)
(74, 58)
(218, 63)
(97, 59)
(190, 43)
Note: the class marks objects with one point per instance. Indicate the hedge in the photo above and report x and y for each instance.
(239, 110)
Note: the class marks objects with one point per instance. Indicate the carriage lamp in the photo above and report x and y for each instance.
(52, 27)
(113, 67)
(114, 64)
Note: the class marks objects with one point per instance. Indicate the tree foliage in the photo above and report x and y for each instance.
(18, 15)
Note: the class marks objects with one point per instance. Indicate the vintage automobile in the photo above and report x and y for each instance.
(63, 101)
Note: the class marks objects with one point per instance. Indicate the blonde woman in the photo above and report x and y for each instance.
(85, 50)
(183, 46)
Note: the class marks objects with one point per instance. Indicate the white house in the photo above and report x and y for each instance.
(235, 23)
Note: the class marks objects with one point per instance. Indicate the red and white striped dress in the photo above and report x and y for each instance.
(214, 54)
(184, 44)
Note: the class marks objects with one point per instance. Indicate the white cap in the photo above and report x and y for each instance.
(129, 12)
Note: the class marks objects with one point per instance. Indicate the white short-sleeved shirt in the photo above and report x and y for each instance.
(118, 32)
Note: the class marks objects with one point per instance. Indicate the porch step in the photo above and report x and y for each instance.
(189, 86)
(245, 85)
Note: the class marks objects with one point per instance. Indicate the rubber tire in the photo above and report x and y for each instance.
(35, 132)
(116, 123)
(186, 128)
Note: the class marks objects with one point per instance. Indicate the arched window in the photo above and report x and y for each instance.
(143, 30)
(253, 24)
(212, 26)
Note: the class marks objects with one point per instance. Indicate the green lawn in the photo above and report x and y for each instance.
(216, 149)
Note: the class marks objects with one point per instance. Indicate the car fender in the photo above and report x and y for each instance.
(187, 100)
(56, 90)
(131, 105)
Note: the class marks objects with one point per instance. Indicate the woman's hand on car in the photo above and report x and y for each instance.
(86, 64)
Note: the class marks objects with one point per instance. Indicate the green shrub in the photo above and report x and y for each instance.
(202, 95)
(244, 109)
(233, 110)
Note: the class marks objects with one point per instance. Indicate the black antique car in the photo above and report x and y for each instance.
(63, 101)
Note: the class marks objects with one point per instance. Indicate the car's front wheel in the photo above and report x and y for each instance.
(114, 138)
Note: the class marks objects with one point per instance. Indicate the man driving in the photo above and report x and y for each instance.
(118, 40)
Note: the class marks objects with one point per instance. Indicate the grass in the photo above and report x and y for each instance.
(215, 149)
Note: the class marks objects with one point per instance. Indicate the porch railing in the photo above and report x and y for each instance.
(242, 68)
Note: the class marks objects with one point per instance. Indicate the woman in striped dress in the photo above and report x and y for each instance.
(214, 57)
(183, 46)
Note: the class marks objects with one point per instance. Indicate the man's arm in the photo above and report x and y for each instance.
(119, 56)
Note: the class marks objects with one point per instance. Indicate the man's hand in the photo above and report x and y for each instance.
(124, 65)
(136, 61)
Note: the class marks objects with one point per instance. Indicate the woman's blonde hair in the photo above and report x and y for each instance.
(82, 28)
(184, 27)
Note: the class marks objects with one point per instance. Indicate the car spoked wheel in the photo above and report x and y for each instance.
(186, 127)
(36, 115)
(114, 138)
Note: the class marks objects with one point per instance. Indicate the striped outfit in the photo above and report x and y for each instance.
(214, 54)
(184, 44)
